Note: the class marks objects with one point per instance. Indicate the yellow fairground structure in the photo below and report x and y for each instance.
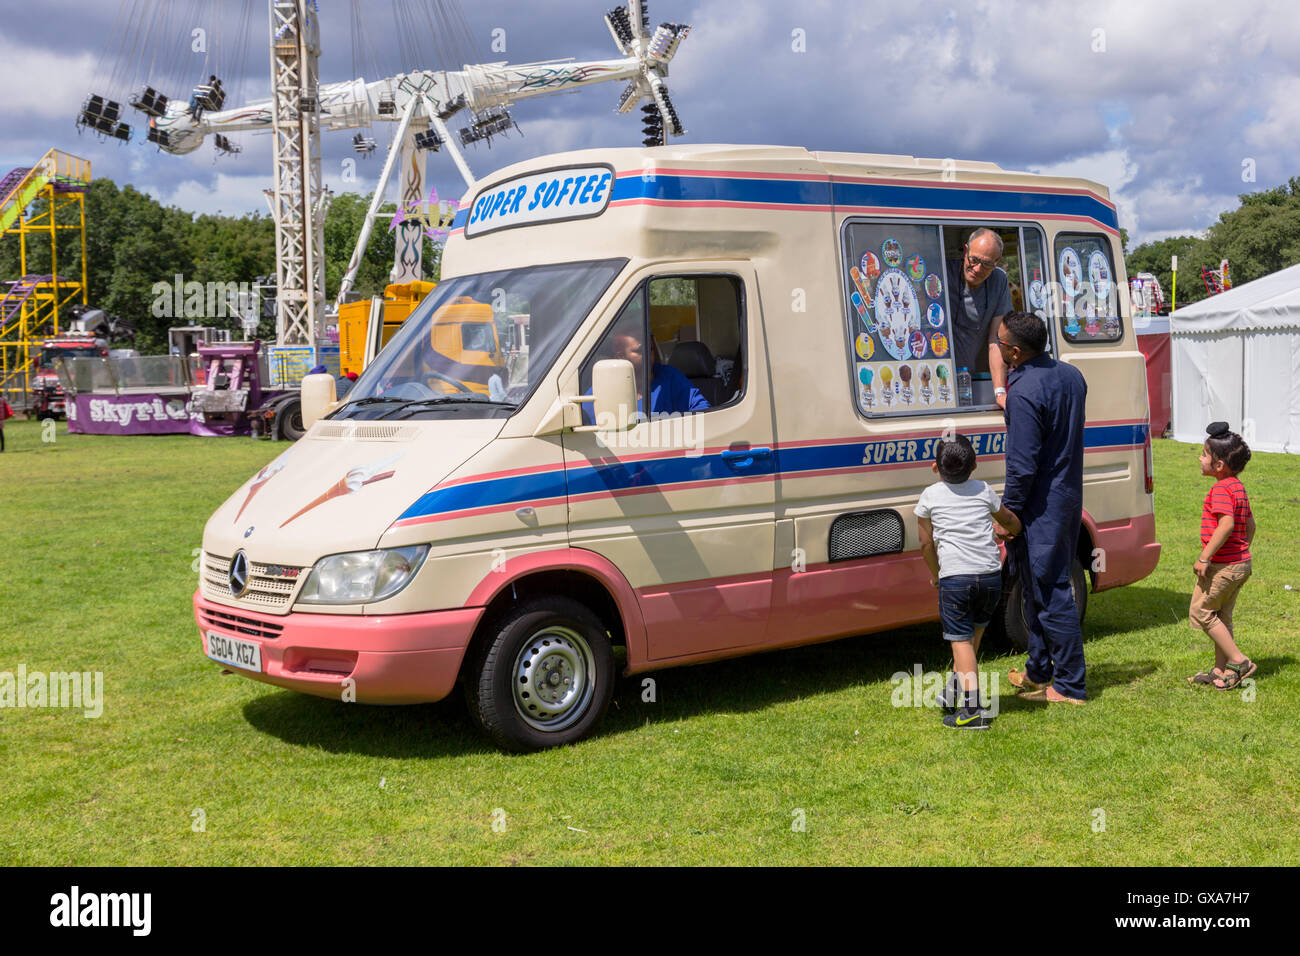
(399, 299)
(30, 304)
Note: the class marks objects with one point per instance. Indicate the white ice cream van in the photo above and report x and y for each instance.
(725, 371)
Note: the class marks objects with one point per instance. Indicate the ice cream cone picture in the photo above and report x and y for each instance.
(866, 395)
(941, 375)
(350, 484)
(905, 374)
(260, 479)
(927, 394)
(886, 383)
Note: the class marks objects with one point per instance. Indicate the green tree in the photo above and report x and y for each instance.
(1259, 237)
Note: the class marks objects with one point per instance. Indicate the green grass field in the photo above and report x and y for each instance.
(187, 766)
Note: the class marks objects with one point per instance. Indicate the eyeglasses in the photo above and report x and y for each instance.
(982, 263)
(1006, 345)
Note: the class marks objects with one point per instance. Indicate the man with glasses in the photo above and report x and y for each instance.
(1044, 488)
(981, 296)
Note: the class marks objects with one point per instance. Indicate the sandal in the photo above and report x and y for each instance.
(1237, 674)
(1205, 677)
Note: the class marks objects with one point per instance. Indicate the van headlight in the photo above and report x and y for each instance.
(361, 577)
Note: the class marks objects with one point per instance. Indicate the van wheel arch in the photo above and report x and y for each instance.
(583, 588)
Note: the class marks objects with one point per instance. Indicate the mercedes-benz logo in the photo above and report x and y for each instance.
(239, 574)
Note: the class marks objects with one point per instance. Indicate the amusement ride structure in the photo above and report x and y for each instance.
(420, 102)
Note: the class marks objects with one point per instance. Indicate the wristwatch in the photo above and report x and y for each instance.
(999, 390)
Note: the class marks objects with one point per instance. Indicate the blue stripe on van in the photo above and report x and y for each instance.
(676, 469)
(663, 186)
(992, 202)
(670, 188)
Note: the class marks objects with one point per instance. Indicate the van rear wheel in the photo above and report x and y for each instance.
(544, 676)
(1011, 614)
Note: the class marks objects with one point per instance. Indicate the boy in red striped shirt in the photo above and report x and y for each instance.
(1227, 527)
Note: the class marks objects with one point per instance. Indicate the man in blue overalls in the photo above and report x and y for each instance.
(1045, 422)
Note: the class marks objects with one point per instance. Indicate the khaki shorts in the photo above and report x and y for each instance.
(1216, 592)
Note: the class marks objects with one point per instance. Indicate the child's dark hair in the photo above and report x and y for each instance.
(1227, 446)
(956, 459)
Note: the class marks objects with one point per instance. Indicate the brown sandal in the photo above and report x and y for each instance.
(1205, 677)
(1238, 673)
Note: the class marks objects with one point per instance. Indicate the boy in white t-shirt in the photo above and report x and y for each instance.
(955, 519)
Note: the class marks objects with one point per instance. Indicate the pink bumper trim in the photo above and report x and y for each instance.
(393, 659)
(1130, 549)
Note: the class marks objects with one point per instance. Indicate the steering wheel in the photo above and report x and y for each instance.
(460, 386)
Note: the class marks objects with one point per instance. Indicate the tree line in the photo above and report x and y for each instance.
(1259, 237)
(134, 242)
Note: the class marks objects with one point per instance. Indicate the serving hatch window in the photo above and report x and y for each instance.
(903, 285)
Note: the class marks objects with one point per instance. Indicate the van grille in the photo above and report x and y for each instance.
(268, 585)
(865, 534)
(229, 622)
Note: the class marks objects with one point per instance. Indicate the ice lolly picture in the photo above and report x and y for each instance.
(859, 305)
(862, 282)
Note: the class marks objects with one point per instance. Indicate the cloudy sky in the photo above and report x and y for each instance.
(1177, 106)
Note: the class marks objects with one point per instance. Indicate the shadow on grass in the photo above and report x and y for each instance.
(739, 685)
(743, 684)
(1135, 607)
(419, 731)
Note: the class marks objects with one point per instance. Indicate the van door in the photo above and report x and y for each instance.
(682, 502)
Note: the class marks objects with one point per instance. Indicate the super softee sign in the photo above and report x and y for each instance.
(577, 192)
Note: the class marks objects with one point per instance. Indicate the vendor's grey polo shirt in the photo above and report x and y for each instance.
(971, 311)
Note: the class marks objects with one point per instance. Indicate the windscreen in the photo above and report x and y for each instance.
(445, 355)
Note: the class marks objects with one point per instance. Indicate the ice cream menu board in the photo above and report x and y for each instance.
(1090, 302)
(898, 305)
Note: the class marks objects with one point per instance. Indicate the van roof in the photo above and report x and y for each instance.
(797, 160)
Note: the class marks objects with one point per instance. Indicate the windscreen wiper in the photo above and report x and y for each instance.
(357, 403)
(417, 403)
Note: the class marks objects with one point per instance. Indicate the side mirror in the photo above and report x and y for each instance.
(317, 397)
(613, 383)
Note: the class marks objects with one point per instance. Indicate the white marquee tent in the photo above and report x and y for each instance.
(1236, 358)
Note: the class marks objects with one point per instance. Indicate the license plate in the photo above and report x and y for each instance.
(232, 651)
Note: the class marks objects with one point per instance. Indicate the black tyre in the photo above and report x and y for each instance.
(543, 677)
(288, 422)
(1011, 614)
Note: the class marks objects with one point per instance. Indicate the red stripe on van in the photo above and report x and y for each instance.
(723, 174)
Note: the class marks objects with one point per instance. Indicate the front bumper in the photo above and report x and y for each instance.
(389, 659)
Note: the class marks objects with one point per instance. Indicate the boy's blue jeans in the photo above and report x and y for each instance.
(967, 603)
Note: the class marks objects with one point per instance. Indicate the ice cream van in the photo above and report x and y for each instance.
(709, 442)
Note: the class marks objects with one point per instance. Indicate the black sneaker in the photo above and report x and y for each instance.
(968, 719)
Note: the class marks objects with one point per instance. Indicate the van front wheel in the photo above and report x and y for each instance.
(544, 676)
(1012, 611)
